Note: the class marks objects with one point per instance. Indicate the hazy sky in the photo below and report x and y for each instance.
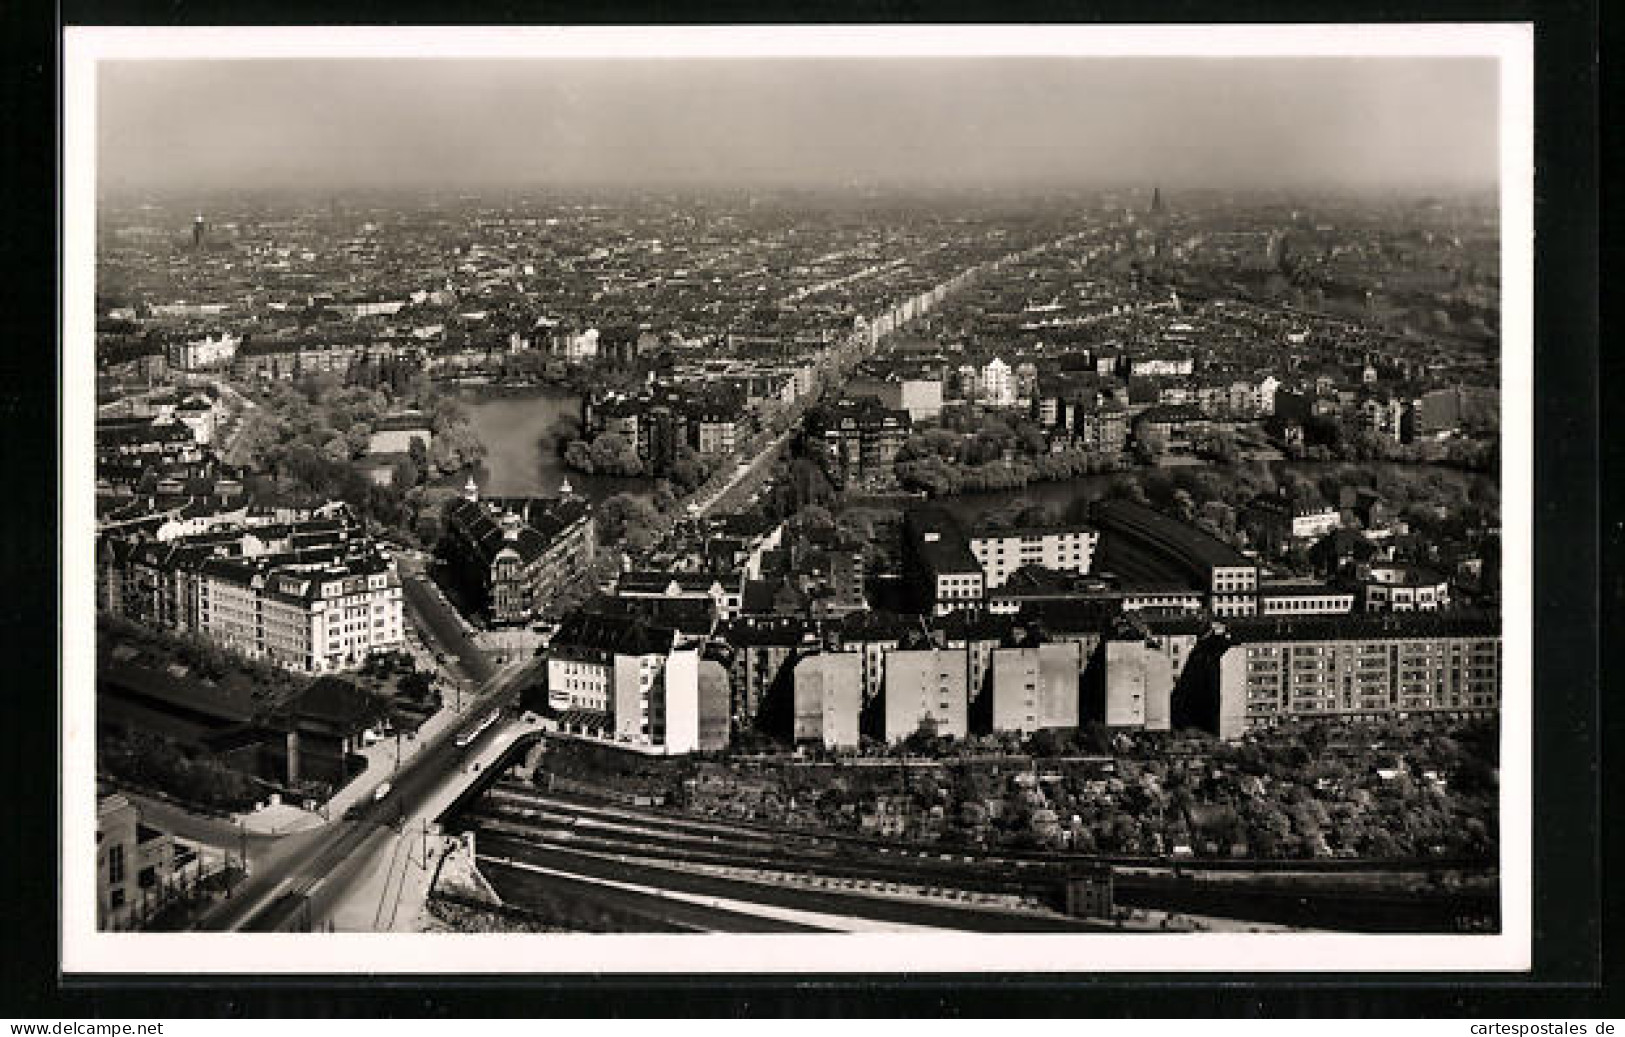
(1238, 122)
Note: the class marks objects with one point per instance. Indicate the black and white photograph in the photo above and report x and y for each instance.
(724, 499)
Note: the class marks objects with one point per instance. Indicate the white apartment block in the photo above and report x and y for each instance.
(312, 619)
(202, 353)
(1002, 552)
(998, 389)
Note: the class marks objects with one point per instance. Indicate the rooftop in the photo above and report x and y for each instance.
(600, 632)
(543, 521)
(939, 542)
(1168, 533)
(1298, 589)
(646, 582)
(1364, 626)
(1069, 617)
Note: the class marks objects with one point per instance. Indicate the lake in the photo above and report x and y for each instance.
(511, 426)
(970, 507)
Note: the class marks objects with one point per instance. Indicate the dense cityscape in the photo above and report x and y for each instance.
(786, 561)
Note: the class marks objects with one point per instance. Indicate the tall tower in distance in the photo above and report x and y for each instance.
(1156, 201)
(197, 231)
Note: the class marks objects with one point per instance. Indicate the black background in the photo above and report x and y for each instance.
(1572, 978)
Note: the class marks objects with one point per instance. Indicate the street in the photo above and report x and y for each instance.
(439, 623)
(330, 858)
(754, 469)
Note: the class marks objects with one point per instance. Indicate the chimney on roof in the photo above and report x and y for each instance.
(471, 490)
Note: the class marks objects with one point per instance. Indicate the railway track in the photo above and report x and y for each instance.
(802, 863)
(848, 905)
(1006, 856)
(518, 812)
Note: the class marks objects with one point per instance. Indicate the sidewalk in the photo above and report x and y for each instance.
(382, 759)
(393, 897)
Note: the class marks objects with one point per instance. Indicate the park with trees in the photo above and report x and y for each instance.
(304, 440)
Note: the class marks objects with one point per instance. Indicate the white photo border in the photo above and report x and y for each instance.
(84, 950)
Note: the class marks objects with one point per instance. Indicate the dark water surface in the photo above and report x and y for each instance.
(516, 465)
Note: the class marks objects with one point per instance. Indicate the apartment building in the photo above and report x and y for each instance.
(1145, 660)
(134, 862)
(674, 705)
(1036, 688)
(828, 699)
(203, 353)
(516, 554)
(1303, 598)
(925, 686)
(313, 618)
(1001, 552)
(1357, 666)
(938, 562)
(863, 437)
(1155, 545)
(592, 655)
(1397, 587)
(313, 597)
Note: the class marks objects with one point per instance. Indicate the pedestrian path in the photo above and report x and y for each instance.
(279, 819)
(388, 755)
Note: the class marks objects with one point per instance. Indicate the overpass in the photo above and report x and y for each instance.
(315, 889)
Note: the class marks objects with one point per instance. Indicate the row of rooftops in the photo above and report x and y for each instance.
(865, 409)
(527, 526)
(234, 540)
(299, 578)
(124, 432)
(715, 400)
(1170, 533)
(596, 635)
(656, 582)
(295, 575)
(157, 508)
(944, 545)
(328, 544)
(1364, 626)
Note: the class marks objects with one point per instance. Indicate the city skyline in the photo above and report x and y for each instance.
(994, 122)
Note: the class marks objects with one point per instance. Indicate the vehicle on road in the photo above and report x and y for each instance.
(466, 739)
(381, 791)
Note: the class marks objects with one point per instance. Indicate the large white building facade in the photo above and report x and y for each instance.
(1002, 552)
(998, 388)
(312, 597)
